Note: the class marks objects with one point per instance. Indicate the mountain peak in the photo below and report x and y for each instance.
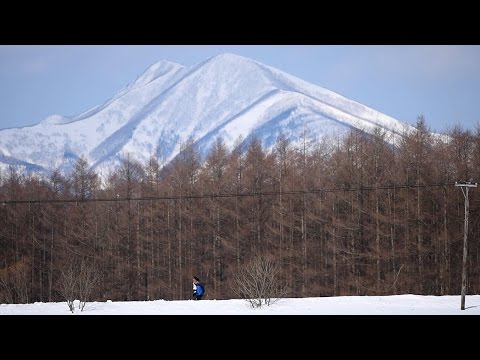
(157, 70)
(231, 59)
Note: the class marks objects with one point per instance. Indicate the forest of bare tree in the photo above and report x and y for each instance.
(350, 216)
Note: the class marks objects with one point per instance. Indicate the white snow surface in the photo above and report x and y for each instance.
(226, 95)
(342, 305)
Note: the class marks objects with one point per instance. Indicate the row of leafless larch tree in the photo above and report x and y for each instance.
(354, 216)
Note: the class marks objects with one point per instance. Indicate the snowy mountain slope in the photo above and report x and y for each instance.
(226, 95)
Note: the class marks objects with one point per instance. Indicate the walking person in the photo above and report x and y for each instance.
(198, 289)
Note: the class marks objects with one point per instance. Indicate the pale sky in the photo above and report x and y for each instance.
(442, 82)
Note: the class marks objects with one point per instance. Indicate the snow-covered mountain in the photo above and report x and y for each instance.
(226, 95)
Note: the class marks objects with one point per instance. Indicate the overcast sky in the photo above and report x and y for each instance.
(440, 82)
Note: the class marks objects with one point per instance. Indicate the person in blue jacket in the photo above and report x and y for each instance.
(198, 289)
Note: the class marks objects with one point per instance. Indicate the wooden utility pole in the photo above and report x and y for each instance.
(465, 185)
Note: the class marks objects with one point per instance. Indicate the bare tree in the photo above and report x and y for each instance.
(256, 282)
(6, 292)
(78, 281)
(69, 285)
(88, 278)
(15, 282)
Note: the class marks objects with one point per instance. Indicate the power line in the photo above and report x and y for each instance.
(226, 195)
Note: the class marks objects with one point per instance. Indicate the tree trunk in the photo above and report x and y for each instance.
(446, 254)
(419, 241)
(377, 241)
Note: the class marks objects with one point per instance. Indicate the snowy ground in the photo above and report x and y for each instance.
(344, 305)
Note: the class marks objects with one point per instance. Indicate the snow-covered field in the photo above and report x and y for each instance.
(343, 305)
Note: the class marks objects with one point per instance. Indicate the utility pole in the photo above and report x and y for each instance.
(466, 185)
